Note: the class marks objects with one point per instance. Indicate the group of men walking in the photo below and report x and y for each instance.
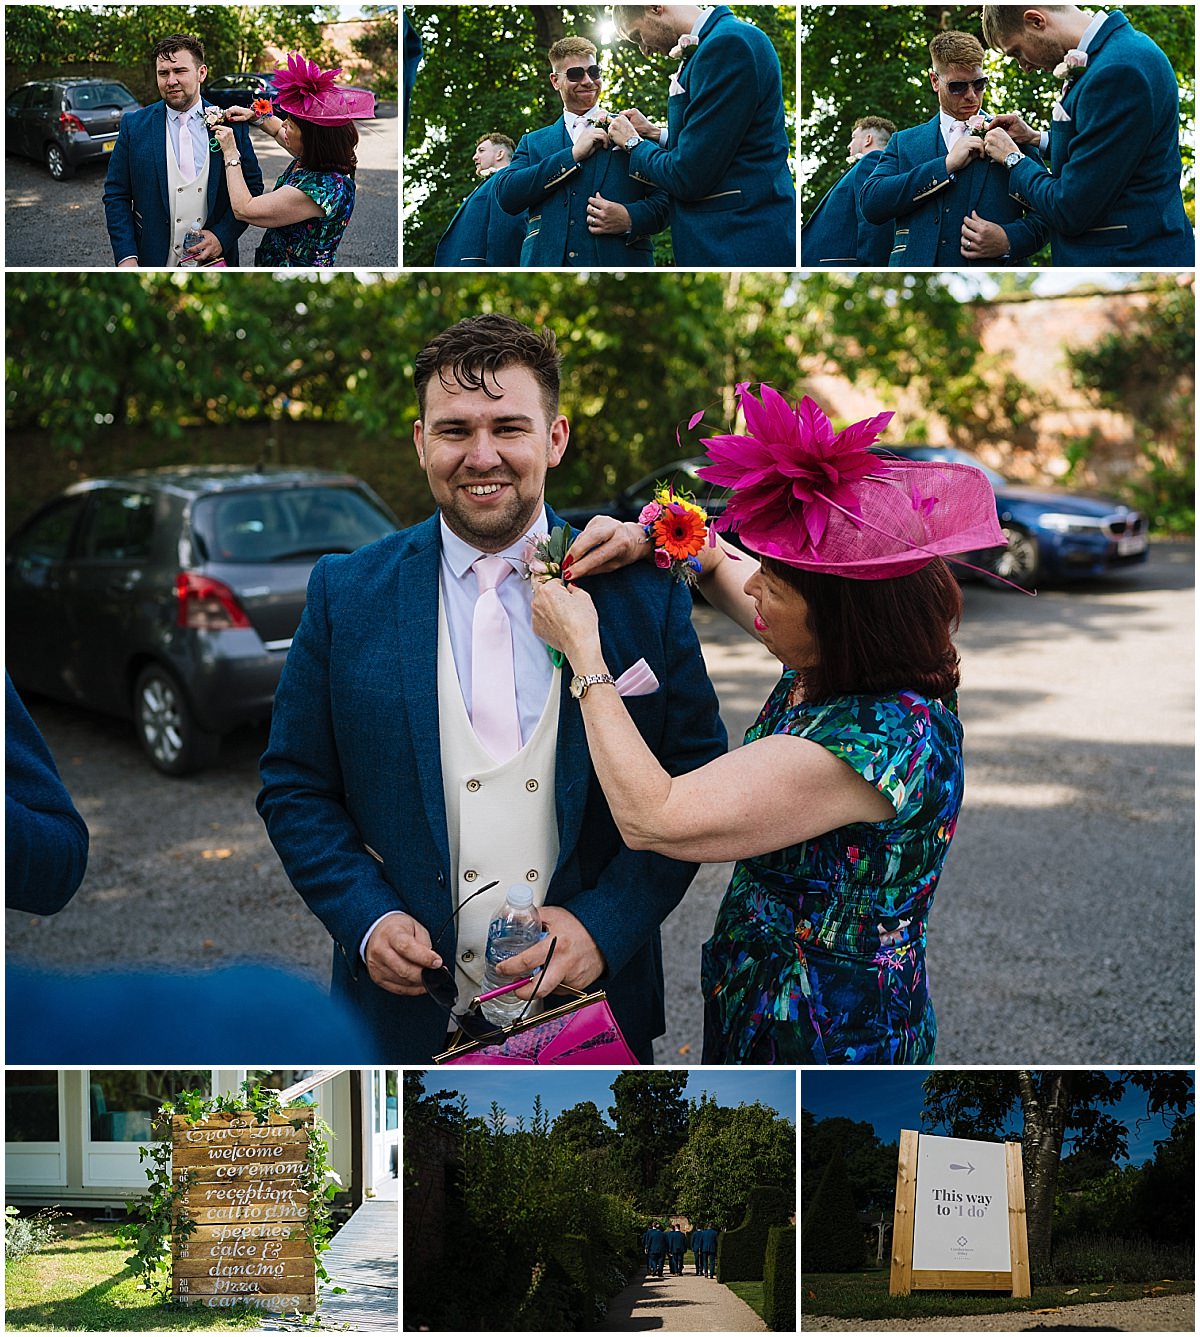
(667, 1247)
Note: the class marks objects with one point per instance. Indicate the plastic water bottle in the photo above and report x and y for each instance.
(192, 237)
(516, 927)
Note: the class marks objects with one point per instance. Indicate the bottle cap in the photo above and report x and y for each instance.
(520, 894)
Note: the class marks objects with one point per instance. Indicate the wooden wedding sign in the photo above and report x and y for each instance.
(249, 1245)
(960, 1217)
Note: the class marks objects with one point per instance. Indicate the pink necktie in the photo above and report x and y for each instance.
(493, 689)
(187, 152)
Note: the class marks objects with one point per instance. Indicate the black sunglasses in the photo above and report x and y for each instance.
(576, 73)
(957, 87)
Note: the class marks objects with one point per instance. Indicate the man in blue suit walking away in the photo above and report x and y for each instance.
(481, 234)
(950, 206)
(723, 154)
(164, 182)
(582, 207)
(1112, 195)
(414, 763)
(836, 232)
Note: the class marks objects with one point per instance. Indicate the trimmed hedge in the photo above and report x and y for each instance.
(779, 1279)
(832, 1239)
(741, 1252)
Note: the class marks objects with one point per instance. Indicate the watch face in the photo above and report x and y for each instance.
(577, 687)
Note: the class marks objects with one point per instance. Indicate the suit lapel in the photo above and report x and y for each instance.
(216, 172)
(413, 630)
(161, 147)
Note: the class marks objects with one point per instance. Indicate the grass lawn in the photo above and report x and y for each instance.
(80, 1283)
(751, 1292)
(865, 1295)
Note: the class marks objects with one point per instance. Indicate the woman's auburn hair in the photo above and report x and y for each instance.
(876, 637)
(327, 148)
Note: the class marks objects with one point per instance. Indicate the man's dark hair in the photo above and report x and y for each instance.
(1001, 23)
(473, 351)
(178, 42)
(327, 148)
(879, 636)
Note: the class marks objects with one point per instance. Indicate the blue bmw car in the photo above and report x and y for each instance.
(1052, 534)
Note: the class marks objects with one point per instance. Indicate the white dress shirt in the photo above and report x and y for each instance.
(577, 122)
(195, 130)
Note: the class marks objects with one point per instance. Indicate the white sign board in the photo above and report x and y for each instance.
(961, 1218)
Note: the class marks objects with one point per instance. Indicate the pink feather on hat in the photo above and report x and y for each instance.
(307, 91)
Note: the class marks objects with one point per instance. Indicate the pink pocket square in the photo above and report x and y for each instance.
(637, 680)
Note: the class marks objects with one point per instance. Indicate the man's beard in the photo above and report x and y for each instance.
(491, 530)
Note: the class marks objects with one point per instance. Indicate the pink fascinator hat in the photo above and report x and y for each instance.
(819, 500)
(304, 90)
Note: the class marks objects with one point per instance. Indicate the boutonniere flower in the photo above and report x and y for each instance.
(678, 528)
(544, 556)
(1071, 66)
(683, 48)
(978, 124)
(213, 116)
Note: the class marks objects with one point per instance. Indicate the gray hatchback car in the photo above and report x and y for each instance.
(171, 596)
(66, 122)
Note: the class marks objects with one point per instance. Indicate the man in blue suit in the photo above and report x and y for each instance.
(654, 1241)
(836, 232)
(723, 154)
(676, 1244)
(481, 234)
(163, 181)
(948, 204)
(384, 802)
(1112, 195)
(580, 204)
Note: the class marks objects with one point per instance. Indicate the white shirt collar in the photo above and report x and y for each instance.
(1098, 21)
(198, 105)
(702, 19)
(570, 117)
(459, 555)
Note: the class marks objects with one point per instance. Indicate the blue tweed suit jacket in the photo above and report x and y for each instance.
(354, 762)
(481, 234)
(733, 201)
(136, 208)
(837, 233)
(911, 189)
(1112, 194)
(546, 185)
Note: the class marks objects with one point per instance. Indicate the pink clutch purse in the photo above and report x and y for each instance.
(581, 1031)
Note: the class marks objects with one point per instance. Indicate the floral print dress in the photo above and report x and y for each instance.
(818, 952)
(312, 241)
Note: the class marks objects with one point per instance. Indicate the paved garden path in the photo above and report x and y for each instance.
(686, 1303)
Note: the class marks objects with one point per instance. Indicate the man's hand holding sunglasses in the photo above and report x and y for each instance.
(577, 961)
(398, 949)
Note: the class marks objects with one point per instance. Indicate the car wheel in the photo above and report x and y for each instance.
(166, 726)
(56, 160)
(1020, 562)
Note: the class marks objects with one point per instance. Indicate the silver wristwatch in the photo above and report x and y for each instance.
(1011, 159)
(632, 142)
(580, 684)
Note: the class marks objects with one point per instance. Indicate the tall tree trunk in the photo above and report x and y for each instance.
(1045, 1103)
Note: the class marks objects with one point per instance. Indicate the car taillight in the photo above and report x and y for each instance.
(206, 605)
(72, 123)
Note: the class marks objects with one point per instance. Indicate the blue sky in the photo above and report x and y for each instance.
(560, 1088)
(891, 1100)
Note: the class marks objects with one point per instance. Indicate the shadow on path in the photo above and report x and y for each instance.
(685, 1303)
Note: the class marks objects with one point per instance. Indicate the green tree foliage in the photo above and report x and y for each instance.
(650, 1115)
(726, 1153)
(873, 60)
(832, 1239)
(43, 37)
(1164, 1199)
(582, 1128)
(1053, 1106)
(742, 1252)
(1145, 367)
(485, 69)
(380, 45)
(870, 1164)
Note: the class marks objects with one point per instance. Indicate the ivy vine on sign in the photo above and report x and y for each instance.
(238, 1203)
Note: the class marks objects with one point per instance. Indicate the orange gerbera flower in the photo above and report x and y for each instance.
(680, 532)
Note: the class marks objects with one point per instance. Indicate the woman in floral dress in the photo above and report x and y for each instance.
(305, 216)
(841, 806)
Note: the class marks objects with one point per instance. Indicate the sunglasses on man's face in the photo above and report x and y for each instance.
(957, 87)
(576, 73)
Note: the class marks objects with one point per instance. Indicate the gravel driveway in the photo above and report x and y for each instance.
(1164, 1313)
(55, 224)
(1063, 930)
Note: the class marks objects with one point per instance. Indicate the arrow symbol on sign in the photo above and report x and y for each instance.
(969, 1168)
